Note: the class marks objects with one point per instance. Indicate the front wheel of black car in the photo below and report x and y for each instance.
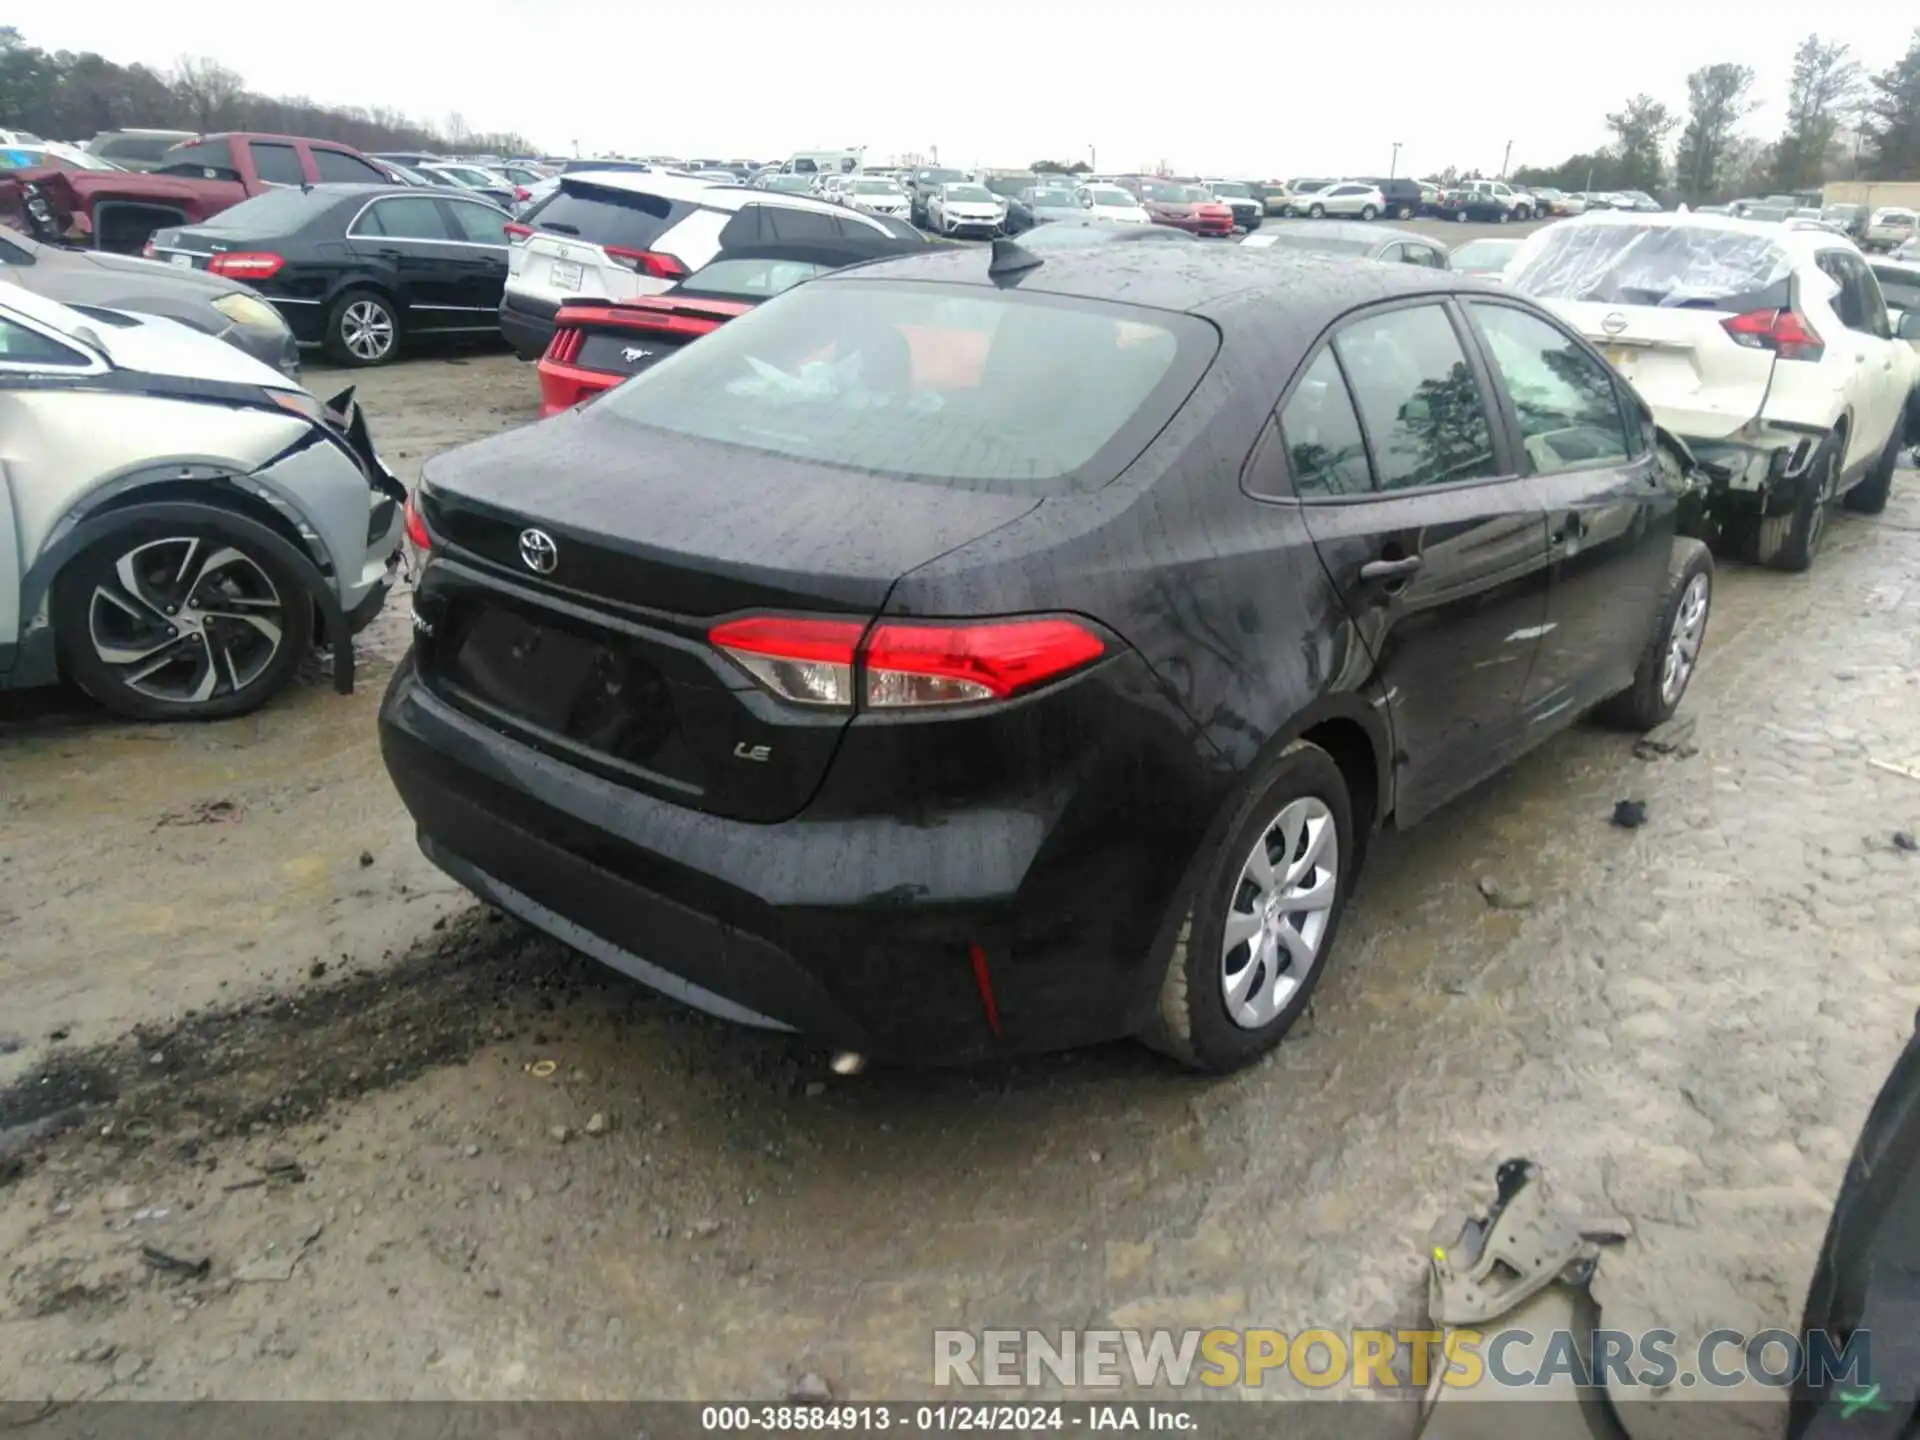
(1265, 916)
(363, 328)
(180, 622)
(1406, 212)
(1673, 648)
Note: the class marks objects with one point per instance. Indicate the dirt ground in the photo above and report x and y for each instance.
(427, 1153)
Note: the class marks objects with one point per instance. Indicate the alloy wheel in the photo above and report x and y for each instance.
(1281, 908)
(186, 620)
(1683, 640)
(366, 329)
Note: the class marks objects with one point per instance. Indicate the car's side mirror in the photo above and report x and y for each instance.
(1907, 326)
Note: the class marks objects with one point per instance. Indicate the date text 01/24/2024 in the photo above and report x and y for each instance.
(937, 1419)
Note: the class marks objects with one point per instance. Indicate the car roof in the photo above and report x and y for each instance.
(1355, 230)
(1199, 280)
(1802, 244)
(711, 193)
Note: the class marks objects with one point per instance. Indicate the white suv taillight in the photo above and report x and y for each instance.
(897, 665)
(1785, 332)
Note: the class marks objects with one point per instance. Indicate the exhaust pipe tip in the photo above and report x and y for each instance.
(848, 1062)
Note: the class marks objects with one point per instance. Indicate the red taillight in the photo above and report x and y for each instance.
(1785, 332)
(521, 192)
(417, 535)
(517, 233)
(647, 262)
(247, 264)
(564, 348)
(904, 665)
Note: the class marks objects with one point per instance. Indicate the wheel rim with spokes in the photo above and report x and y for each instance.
(186, 620)
(1683, 640)
(366, 329)
(1278, 915)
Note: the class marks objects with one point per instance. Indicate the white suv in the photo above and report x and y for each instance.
(614, 235)
(1767, 350)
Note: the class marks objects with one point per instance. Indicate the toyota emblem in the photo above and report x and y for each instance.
(1614, 323)
(538, 551)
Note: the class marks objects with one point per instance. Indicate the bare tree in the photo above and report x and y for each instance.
(1822, 92)
(208, 88)
(1718, 99)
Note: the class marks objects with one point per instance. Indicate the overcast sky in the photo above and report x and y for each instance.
(1241, 87)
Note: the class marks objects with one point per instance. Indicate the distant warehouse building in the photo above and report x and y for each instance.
(1874, 194)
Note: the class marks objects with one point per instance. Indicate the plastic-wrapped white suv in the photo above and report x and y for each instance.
(1768, 350)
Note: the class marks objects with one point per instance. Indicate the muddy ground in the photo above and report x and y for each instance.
(426, 1153)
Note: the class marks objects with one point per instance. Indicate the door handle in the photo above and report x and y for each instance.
(1390, 569)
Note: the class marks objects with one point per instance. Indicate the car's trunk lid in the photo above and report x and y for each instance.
(1700, 382)
(1656, 299)
(627, 338)
(602, 658)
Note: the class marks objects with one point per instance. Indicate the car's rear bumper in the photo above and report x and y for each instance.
(564, 386)
(527, 324)
(868, 933)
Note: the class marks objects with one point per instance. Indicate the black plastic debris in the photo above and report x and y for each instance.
(1630, 814)
(1903, 840)
(159, 1259)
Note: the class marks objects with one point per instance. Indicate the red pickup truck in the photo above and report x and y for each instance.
(118, 210)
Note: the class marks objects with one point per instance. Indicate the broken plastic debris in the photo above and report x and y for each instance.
(542, 1069)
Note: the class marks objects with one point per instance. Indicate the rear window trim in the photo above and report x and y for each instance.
(1115, 457)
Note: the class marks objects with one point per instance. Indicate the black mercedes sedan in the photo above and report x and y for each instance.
(358, 269)
(986, 651)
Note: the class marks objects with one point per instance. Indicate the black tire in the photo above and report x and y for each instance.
(1502, 216)
(1405, 212)
(1791, 540)
(1460, 217)
(1870, 496)
(1651, 700)
(1523, 212)
(1367, 212)
(1192, 1022)
(96, 616)
(373, 309)
(1316, 212)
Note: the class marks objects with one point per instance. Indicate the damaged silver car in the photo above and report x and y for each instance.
(179, 524)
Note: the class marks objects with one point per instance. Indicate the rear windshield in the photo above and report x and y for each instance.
(271, 212)
(603, 216)
(136, 147)
(983, 389)
(1665, 265)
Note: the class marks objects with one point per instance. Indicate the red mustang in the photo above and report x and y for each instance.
(597, 344)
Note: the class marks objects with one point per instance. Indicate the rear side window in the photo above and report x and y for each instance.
(600, 216)
(1027, 394)
(209, 160)
(1693, 267)
(21, 346)
(277, 164)
(337, 168)
(1417, 397)
(1325, 449)
(782, 223)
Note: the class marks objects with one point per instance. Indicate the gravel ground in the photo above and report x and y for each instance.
(428, 1153)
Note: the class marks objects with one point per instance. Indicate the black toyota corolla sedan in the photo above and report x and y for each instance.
(358, 269)
(979, 652)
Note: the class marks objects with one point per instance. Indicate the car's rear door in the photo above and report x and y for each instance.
(1868, 347)
(1611, 508)
(480, 252)
(408, 237)
(1436, 545)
